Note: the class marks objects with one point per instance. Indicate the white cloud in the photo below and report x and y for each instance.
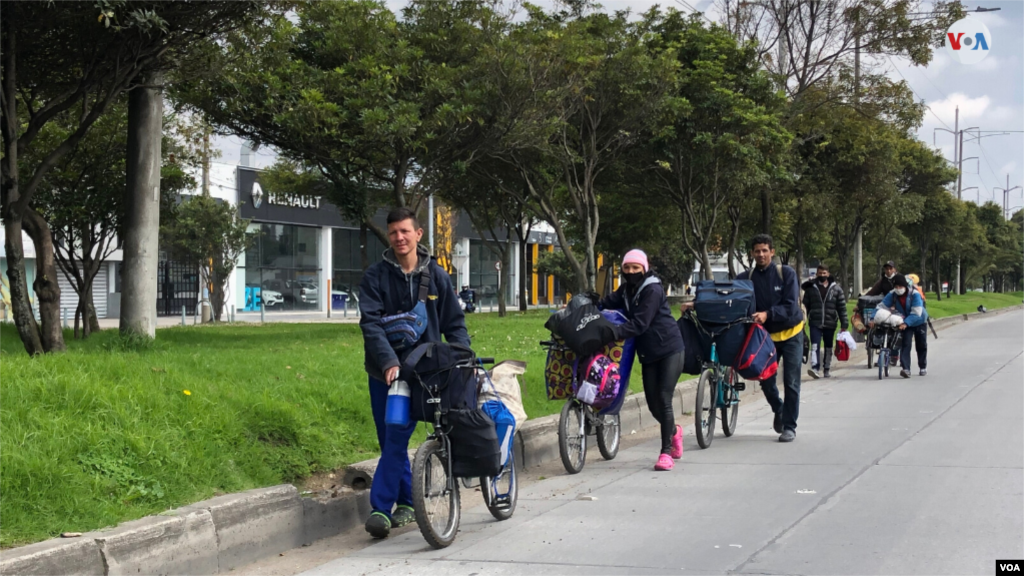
(969, 107)
(1007, 168)
(989, 64)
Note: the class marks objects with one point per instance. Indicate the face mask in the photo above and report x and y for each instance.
(633, 279)
(901, 291)
(889, 276)
(822, 279)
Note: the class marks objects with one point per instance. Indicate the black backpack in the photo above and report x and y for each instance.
(581, 326)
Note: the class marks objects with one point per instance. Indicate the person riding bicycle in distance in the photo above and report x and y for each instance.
(908, 304)
(391, 287)
(777, 305)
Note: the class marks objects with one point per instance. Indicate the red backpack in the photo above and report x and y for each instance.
(757, 359)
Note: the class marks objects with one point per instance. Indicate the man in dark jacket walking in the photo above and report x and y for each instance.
(826, 308)
(392, 287)
(777, 296)
(885, 283)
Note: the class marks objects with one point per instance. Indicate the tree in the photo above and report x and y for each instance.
(730, 142)
(59, 57)
(351, 90)
(82, 199)
(806, 44)
(563, 98)
(208, 231)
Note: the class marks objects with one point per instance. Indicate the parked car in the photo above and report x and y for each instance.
(271, 298)
(293, 291)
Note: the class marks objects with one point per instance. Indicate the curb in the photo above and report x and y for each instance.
(226, 532)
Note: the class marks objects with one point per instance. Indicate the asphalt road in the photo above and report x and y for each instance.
(919, 476)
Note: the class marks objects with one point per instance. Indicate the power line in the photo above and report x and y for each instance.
(916, 94)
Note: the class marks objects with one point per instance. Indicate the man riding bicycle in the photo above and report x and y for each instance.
(389, 289)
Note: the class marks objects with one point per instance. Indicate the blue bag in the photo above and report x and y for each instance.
(504, 423)
(404, 330)
(728, 341)
(724, 301)
(757, 359)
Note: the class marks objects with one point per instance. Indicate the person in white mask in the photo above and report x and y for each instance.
(908, 304)
(885, 283)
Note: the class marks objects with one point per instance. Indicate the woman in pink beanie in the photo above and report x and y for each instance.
(659, 346)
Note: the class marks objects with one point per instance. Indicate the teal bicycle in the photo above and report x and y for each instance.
(718, 393)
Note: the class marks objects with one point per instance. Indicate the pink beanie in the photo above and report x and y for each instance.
(636, 256)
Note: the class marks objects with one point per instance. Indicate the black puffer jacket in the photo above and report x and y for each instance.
(825, 312)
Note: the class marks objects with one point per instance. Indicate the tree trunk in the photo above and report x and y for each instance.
(938, 276)
(524, 275)
(46, 286)
(705, 263)
(734, 218)
(14, 250)
(801, 264)
(141, 245)
(503, 275)
(766, 210)
(21, 307)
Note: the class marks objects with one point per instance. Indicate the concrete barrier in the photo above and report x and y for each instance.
(227, 532)
(182, 542)
(71, 556)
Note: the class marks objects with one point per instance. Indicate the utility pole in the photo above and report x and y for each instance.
(858, 246)
(1006, 197)
(206, 159)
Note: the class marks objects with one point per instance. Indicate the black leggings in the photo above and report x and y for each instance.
(660, 379)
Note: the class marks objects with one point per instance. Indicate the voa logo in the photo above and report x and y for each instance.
(968, 41)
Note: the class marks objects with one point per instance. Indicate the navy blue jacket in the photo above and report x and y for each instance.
(649, 321)
(387, 290)
(780, 298)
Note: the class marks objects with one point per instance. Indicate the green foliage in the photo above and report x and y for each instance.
(208, 231)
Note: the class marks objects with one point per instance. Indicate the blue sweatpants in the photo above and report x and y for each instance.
(392, 482)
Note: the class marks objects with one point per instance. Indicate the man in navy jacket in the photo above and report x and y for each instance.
(392, 287)
(777, 295)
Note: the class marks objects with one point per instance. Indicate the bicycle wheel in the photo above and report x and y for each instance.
(704, 414)
(502, 491)
(608, 437)
(732, 404)
(883, 362)
(572, 436)
(435, 495)
(889, 356)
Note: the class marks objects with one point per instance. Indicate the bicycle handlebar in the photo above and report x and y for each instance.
(485, 360)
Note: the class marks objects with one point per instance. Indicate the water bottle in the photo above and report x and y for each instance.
(396, 413)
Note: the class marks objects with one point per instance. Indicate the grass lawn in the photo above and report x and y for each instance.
(100, 435)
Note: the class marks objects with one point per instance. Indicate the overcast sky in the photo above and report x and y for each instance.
(990, 96)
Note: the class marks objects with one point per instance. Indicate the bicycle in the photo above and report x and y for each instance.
(435, 491)
(887, 340)
(718, 390)
(577, 421)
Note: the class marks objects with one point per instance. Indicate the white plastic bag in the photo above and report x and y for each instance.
(504, 376)
(845, 336)
(587, 393)
(886, 318)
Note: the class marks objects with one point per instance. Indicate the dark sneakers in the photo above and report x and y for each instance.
(378, 525)
(403, 516)
(777, 424)
(904, 373)
(787, 435)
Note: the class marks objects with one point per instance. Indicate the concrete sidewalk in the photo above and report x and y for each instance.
(918, 476)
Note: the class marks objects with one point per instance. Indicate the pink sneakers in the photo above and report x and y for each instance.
(677, 443)
(664, 463)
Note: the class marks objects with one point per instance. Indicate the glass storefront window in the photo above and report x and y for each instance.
(483, 277)
(347, 265)
(283, 268)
